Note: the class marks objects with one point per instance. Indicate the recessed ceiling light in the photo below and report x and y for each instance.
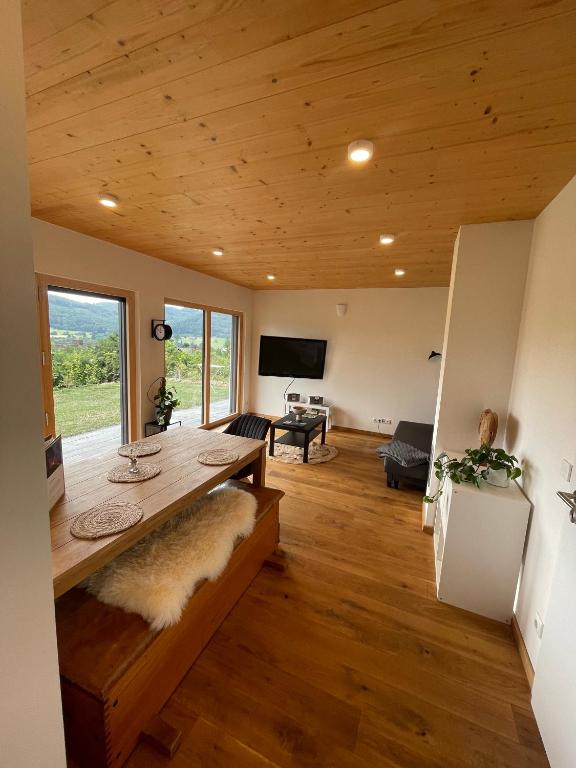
(360, 151)
(270, 277)
(399, 272)
(386, 239)
(217, 252)
(108, 201)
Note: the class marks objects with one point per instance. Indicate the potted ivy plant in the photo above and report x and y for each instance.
(165, 401)
(493, 465)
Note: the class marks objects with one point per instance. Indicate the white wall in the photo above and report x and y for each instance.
(377, 356)
(542, 423)
(30, 711)
(61, 252)
(483, 321)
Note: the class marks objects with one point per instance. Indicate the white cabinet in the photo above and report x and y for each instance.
(479, 538)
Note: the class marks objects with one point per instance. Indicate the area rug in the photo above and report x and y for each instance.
(156, 577)
(292, 454)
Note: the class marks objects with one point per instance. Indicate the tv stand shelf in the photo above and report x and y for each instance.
(297, 438)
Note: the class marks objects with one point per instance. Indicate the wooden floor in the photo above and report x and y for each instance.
(347, 659)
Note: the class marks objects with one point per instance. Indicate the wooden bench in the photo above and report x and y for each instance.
(116, 673)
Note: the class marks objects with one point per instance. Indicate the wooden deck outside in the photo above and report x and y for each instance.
(93, 444)
(347, 659)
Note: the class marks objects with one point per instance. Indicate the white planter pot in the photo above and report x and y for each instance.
(498, 477)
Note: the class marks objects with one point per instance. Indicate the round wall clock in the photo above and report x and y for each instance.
(161, 331)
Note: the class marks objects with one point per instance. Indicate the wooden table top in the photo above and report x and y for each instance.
(182, 480)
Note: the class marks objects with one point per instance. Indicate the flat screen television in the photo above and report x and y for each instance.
(293, 358)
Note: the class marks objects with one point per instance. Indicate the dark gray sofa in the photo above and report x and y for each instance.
(419, 435)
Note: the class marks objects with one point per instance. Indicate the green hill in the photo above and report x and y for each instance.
(100, 319)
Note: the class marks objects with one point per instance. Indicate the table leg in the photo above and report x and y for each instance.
(306, 446)
(272, 436)
(259, 466)
(323, 438)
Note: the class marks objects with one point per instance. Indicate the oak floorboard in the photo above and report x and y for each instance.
(346, 659)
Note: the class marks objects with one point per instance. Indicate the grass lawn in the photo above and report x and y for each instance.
(94, 406)
(83, 409)
(190, 392)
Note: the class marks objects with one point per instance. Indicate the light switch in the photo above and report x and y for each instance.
(539, 625)
(566, 470)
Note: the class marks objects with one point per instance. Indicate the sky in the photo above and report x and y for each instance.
(82, 298)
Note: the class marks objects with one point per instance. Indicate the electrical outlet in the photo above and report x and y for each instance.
(386, 421)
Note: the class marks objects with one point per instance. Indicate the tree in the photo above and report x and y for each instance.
(96, 363)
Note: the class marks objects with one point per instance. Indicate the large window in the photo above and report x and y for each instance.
(85, 361)
(223, 365)
(184, 361)
(202, 362)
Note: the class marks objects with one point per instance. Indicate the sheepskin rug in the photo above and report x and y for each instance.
(156, 577)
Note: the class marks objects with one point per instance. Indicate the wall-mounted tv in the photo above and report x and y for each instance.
(293, 358)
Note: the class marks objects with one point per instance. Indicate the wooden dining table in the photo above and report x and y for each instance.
(182, 480)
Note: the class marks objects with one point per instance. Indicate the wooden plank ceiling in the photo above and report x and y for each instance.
(225, 123)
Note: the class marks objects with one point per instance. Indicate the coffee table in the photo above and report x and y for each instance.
(299, 433)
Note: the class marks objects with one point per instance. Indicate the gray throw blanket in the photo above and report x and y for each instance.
(402, 453)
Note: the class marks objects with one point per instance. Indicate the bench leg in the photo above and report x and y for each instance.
(276, 560)
(162, 736)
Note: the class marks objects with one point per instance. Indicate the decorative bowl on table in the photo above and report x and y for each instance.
(298, 410)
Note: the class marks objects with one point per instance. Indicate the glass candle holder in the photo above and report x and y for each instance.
(134, 469)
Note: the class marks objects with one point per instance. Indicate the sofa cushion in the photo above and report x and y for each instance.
(404, 454)
(415, 433)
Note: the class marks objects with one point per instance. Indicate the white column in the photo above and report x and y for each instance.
(30, 710)
(482, 325)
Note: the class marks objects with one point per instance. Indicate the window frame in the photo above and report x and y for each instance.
(238, 368)
(43, 283)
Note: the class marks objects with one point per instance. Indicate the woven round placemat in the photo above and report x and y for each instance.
(121, 474)
(217, 456)
(105, 519)
(140, 448)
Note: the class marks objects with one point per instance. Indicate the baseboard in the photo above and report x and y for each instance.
(526, 663)
(355, 431)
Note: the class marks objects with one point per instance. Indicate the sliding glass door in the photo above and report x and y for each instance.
(85, 368)
(88, 367)
(202, 362)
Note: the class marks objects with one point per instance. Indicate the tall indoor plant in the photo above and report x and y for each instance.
(484, 463)
(165, 401)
